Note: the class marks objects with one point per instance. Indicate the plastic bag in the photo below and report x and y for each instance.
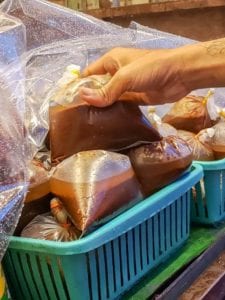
(164, 129)
(215, 138)
(200, 150)
(159, 163)
(190, 113)
(39, 181)
(13, 153)
(94, 185)
(55, 227)
(79, 127)
(46, 22)
(12, 39)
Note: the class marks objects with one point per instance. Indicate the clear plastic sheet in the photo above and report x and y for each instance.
(12, 38)
(46, 23)
(13, 153)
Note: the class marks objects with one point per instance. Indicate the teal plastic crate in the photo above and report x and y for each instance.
(208, 196)
(108, 261)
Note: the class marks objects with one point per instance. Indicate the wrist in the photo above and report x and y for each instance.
(199, 68)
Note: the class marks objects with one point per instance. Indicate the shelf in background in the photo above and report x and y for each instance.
(140, 9)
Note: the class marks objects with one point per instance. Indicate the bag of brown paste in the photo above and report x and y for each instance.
(215, 138)
(200, 150)
(93, 185)
(190, 113)
(159, 163)
(56, 226)
(76, 126)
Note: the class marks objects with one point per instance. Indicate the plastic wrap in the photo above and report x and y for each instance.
(13, 154)
(46, 22)
(164, 129)
(94, 185)
(189, 113)
(12, 39)
(76, 126)
(55, 226)
(200, 150)
(159, 163)
(215, 138)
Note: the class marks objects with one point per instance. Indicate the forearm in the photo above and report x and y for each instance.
(203, 64)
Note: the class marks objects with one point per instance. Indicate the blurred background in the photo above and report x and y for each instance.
(196, 19)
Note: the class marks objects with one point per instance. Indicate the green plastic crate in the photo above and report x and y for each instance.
(108, 261)
(208, 196)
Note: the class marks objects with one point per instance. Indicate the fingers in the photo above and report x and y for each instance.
(108, 94)
(102, 66)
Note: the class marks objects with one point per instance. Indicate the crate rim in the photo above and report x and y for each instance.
(211, 165)
(119, 225)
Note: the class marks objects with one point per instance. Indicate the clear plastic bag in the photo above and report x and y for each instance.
(189, 113)
(158, 164)
(200, 150)
(46, 23)
(12, 39)
(94, 185)
(76, 126)
(215, 138)
(55, 226)
(164, 129)
(13, 153)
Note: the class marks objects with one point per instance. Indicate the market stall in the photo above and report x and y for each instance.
(94, 199)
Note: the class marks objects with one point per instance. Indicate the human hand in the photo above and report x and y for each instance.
(113, 60)
(152, 77)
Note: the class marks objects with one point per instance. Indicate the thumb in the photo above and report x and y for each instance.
(108, 94)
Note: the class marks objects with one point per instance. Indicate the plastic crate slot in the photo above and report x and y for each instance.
(130, 254)
(140, 247)
(137, 250)
(98, 275)
(161, 232)
(164, 229)
(156, 236)
(57, 277)
(179, 219)
(34, 286)
(147, 236)
(143, 240)
(110, 271)
(167, 228)
(12, 276)
(127, 256)
(124, 262)
(37, 275)
(176, 221)
(44, 266)
(184, 214)
(204, 201)
(60, 278)
(27, 288)
(113, 264)
(188, 210)
(106, 272)
(134, 252)
(182, 217)
(120, 259)
(102, 272)
(92, 270)
(194, 192)
(153, 240)
(51, 277)
(89, 275)
(173, 224)
(150, 240)
(116, 264)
